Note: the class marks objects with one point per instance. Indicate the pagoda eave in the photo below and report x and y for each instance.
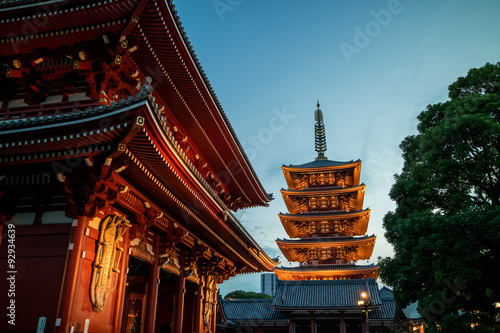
(294, 249)
(291, 171)
(310, 167)
(292, 198)
(325, 273)
(326, 242)
(291, 222)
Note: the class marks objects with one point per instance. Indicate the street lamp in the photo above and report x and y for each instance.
(365, 302)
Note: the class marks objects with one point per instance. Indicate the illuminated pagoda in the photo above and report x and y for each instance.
(326, 220)
(119, 173)
(327, 292)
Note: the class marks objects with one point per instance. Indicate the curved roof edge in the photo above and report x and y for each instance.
(321, 164)
(321, 214)
(327, 268)
(200, 69)
(326, 239)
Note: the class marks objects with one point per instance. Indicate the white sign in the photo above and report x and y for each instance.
(41, 324)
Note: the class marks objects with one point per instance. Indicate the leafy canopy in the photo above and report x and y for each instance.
(446, 227)
(237, 294)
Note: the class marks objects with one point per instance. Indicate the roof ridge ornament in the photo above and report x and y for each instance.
(319, 133)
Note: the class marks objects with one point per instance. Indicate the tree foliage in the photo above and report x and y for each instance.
(237, 294)
(446, 227)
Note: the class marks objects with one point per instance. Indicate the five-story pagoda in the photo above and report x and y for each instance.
(326, 220)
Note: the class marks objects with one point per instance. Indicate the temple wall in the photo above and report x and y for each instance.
(40, 255)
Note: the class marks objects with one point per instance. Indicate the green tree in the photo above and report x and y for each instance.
(246, 294)
(446, 227)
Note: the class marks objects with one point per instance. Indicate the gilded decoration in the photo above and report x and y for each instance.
(107, 260)
(325, 203)
(210, 297)
(141, 248)
(330, 179)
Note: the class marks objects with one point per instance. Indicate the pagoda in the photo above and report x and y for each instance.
(326, 221)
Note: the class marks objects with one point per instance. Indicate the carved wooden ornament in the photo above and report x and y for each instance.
(106, 260)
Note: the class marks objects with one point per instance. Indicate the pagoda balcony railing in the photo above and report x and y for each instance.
(32, 111)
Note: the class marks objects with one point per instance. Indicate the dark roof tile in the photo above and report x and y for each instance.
(251, 310)
(324, 294)
(321, 164)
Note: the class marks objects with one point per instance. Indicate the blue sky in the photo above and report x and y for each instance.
(373, 65)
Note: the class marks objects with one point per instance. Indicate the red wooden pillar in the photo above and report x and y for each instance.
(179, 301)
(70, 278)
(120, 290)
(313, 328)
(152, 292)
(366, 324)
(342, 323)
(198, 307)
(290, 325)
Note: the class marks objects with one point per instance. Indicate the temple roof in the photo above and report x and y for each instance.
(260, 311)
(254, 310)
(345, 239)
(320, 164)
(324, 215)
(293, 249)
(387, 312)
(160, 43)
(293, 173)
(327, 272)
(323, 190)
(149, 166)
(294, 223)
(323, 267)
(325, 294)
(354, 193)
(51, 121)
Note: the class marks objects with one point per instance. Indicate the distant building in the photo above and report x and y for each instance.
(268, 283)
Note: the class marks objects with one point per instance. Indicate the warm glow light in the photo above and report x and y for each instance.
(360, 303)
(364, 295)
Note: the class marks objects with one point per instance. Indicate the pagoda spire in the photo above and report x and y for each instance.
(319, 132)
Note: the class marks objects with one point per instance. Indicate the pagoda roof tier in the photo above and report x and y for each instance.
(158, 48)
(297, 225)
(323, 164)
(292, 172)
(360, 248)
(320, 199)
(149, 163)
(332, 295)
(325, 272)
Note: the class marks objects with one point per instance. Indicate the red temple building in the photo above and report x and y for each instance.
(119, 173)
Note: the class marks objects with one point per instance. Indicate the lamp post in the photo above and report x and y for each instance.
(365, 302)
